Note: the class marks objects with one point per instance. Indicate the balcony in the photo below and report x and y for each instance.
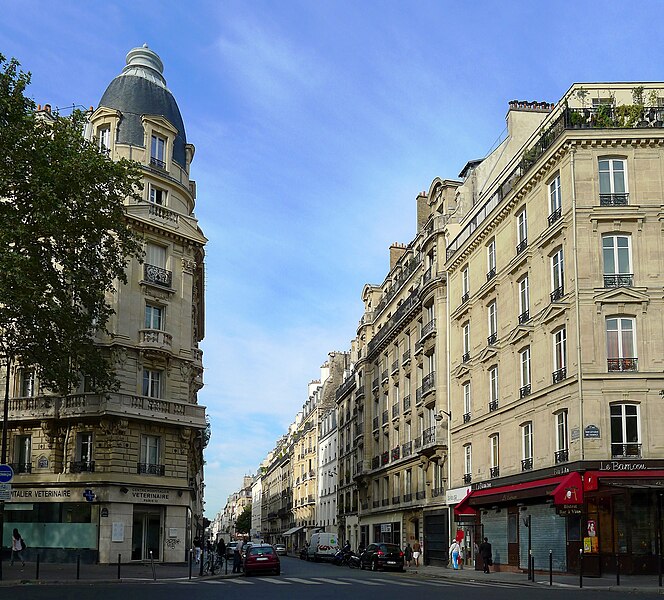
(21, 468)
(157, 275)
(359, 394)
(562, 456)
(426, 276)
(419, 347)
(376, 423)
(527, 464)
(149, 469)
(385, 502)
(396, 499)
(407, 449)
(521, 246)
(82, 466)
(395, 367)
(491, 274)
(406, 403)
(408, 497)
(417, 443)
(558, 293)
(418, 396)
(466, 357)
(524, 391)
(405, 357)
(375, 462)
(395, 410)
(467, 479)
(466, 417)
(492, 339)
(420, 495)
(465, 297)
(386, 417)
(374, 385)
(559, 375)
(345, 387)
(555, 216)
(396, 453)
(157, 163)
(524, 317)
(622, 364)
(429, 383)
(437, 491)
(428, 329)
(493, 405)
(384, 376)
(625, 450)
(613, 199)
(429, 436)
(494, 472)
(618, 280)
(384, 458)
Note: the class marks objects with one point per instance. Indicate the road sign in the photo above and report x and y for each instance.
(5, 491)
(6, 473)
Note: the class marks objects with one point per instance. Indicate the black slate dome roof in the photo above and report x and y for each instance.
(141, 90)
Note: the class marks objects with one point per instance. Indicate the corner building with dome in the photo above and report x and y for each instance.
(121, 473)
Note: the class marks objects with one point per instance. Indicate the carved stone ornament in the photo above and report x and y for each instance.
(119, 357)
(188, 265)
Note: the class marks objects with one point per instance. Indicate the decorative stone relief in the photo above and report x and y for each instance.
(188, 265)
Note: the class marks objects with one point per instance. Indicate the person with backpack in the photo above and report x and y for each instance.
(18, 545)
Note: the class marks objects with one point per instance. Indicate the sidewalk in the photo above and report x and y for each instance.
(628, 583)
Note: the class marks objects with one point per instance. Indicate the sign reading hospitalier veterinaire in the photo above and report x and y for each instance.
(150, 495)
(42, 494)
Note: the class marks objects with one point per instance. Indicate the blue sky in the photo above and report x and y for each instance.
(316, 123)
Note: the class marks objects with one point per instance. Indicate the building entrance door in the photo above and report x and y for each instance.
(513, 536)
(146, 534)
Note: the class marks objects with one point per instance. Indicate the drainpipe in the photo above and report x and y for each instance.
(576, 305)
(447, 393)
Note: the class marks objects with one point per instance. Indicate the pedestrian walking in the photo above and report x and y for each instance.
(454, 554)
(485, 553)
(237, 557)
(197, 549)
(18, 545)
(417, 549)
(221, 549)
(408, 554)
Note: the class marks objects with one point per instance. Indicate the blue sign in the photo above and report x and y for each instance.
(89, 495)
(6, 473)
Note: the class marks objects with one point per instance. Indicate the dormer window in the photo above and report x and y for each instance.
(158, 152)
(104, 140)
(157, 195)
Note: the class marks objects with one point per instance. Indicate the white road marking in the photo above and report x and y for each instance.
(305, 581)
(274, 580)
(394, 582)
(240, 581)
(333, 581)
(215, 582)
(363, 581)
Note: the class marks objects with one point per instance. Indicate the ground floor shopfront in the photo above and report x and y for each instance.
(100, 523)
(608, 512)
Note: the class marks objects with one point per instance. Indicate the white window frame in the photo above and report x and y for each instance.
(612, 171)
(557, 270)
(491, 255)
(494, 447)
(157, 195)
(614, 250)
(555, 196)
(465, 281)
(27, 382)
(467, 398)
(620, 330)
(466, 337)
(151, 450)
(468, 459)
(560, 349)
(524, 366)
(104, 139)
(633, 418)
(527, 440)
(521, 227)
(155, 255)
(562, 430)
(524, 295)
(408, 489)
(85, 446)
(493, 384)
(158, 147)
(154, 317)
(152, 383)
(492, 317)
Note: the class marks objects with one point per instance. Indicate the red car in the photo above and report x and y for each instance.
(262, 558)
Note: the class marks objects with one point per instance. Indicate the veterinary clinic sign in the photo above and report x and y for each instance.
(150, 495)
(45, 495)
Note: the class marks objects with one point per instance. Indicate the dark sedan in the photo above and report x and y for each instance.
(382, 556)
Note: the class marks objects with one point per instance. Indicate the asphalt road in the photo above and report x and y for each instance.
(300, 579)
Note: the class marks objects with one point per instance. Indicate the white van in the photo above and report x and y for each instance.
(322, 546)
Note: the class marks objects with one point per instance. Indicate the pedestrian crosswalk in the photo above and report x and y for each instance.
(346, 581)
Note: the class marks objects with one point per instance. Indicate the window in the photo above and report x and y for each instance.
(493, 323)
(23, 454)
(612, 182)
(155, 255)
(466, 341)
(151, 383)
(493, 388)
(468, 459)
(555, 199)
(562, 437)
(521, 231)
(524, 360)
(465, 284)
(491, 259)
(621, 344)
(557, 275)
(158, 152)
(625, 439)
(409, 482)
(527, 446)
(27, 383)
(617, 255)
(524, 300)
(154, 268)
(150, 452)
(494, 444)
(157, 195)
(559, 355)
(104, 139)
(153, 316)
(84, 446)
(466, 402)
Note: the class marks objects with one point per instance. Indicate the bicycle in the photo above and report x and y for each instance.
(213, 564)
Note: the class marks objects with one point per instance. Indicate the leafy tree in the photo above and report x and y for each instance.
(243, 523)
(64, 240)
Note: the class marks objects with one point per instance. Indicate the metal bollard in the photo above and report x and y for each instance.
(200, 572)
(154, 574)
(617, 570)
(119, 563)
(550, 567)
(37, 568)
(660, 568)
(532, 567)
(78, 566)
(580, 567)
(190, 559)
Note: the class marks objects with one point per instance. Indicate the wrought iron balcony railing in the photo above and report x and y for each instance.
(625, 450)
(521, 246)
(559, 375)
(622, 364)
(494, 472)
(613, 199)
(82, 466)
(149, 469)
(467, 478)
(491, 274)
(396, 453)
(466, 417)
(493, 405)
(527, 464)
(384, 458)
(408, 497)
(395, 410)
(524, 317)
(155, 162)
(524, 391)
(420, 495)
(429, 436)
(465, 297)
(406, 403)
(429, 328)
(395, 367)
(466, 357)
(376, 423)
(417, 443)
(396, 499)
(386, 417)
(558, 293)
(618, 280)
(405, 357)
(157, 275)
(429, 382)
(21, 467)
(407, 449)
(555, 215)
(562, 456)
(375, 462)
(492, 339)
(437, 491)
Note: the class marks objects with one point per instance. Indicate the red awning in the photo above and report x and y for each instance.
(591, 479)
(565, 489)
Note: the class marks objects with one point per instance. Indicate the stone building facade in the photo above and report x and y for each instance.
(121, 473)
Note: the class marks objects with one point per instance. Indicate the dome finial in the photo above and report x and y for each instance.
(145, 45)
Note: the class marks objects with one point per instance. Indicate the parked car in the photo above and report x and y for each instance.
(230, 548)
(382, 556)
(262, 558)
(280, 548)
(322, 546)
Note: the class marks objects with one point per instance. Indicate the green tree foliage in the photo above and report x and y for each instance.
(243, 523)
(64, 240)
